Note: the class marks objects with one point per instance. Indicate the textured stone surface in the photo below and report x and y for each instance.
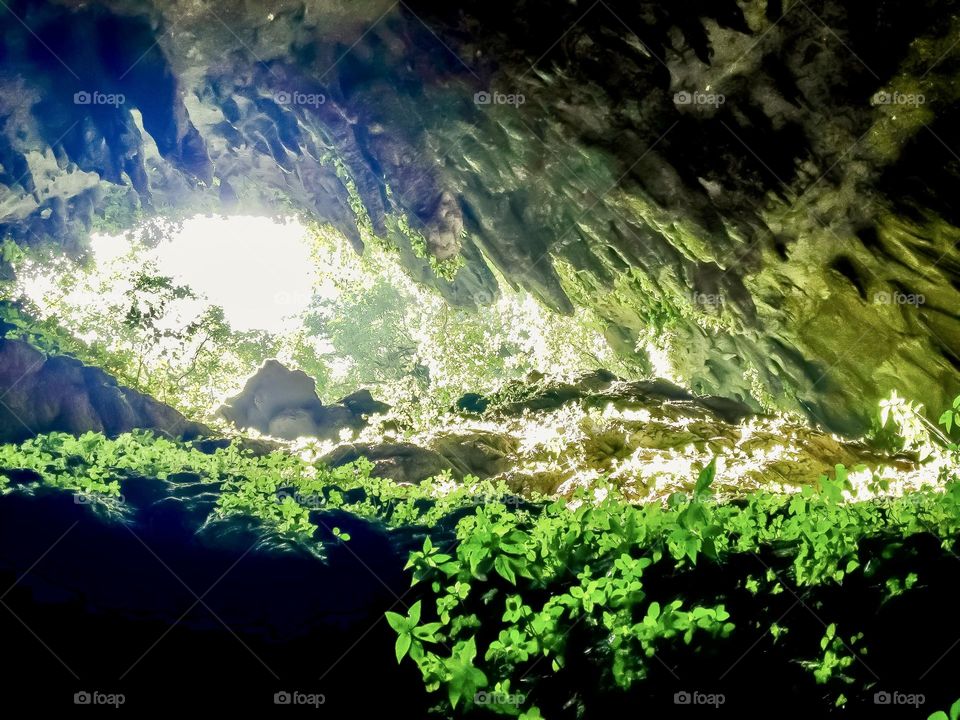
(40, 394)
(773, 241)
(648, 438)
(283, 403)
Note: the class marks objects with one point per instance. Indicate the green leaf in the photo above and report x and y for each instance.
(705, 478)
(397, 622)
(427, 632)
(403, 645)
(464, 678)
(414, 614)
(947, 419)
(503, 567)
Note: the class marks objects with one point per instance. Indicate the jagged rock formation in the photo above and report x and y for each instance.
(40, 394)
(767, 186)
(283, 403)
(648, 438)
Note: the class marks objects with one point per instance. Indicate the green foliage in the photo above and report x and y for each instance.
(501, 585)
(954, 713)
(546, 570)
(131, 324)
(381, 329)
(368, 325)
(950, 419)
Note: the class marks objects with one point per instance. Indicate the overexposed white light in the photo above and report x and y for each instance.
(107, 248)
(258, 270)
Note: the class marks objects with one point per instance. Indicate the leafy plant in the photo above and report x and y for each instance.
(953, 714)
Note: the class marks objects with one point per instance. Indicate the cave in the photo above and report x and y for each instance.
(552, 361)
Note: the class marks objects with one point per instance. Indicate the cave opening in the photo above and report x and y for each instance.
(424, 359)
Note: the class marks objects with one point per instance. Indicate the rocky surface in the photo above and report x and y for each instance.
(648, 438)
(765, 189)
(40, 394)
(150, 598)
(283, 403)
(478, 453)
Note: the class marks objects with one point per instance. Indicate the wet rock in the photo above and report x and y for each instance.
(361, 402)
(481, 454)
(472, 403)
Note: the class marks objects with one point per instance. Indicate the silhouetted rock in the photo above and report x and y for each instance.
(43, 394)
(403, 462)
(361, 402)
(283, 403)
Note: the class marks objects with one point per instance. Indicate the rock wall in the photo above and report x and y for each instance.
(765, 189)
(41, 394)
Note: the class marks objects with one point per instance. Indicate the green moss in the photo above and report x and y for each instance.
(119, 210)
(399, 228)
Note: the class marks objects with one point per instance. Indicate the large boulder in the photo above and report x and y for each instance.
(402, 462)
(41, 393)
(283, 403)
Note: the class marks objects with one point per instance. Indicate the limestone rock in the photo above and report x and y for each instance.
(40, 394)
(403, 462)
(283, 403)
(777, 242)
